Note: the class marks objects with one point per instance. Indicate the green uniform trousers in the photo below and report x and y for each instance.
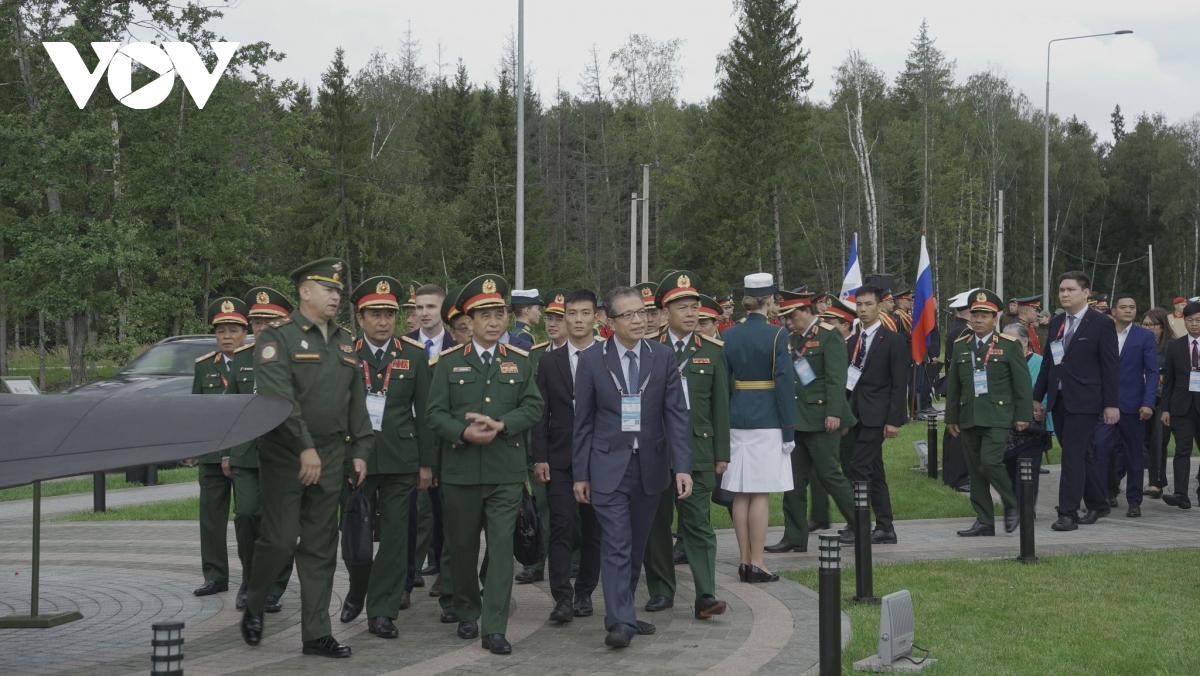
(424, 531)
(695, 534)
(983, 449)
(820, 496)
(815, 458)
(382, 582)
(302, 522)
(468, 510)
(247, 519)
(215, 489)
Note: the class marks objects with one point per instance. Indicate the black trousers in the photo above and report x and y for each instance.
(1184, 429)
(866, 464)
(560, 498)
(1079, 480)
(1157, 438)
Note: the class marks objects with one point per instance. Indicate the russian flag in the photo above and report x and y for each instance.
(853, 277)
(924, 311)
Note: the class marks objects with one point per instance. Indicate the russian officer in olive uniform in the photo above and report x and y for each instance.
(482, 402)
(701, 364)
(266, 305)
(227, 316)
(310, 361)
(989, 393)
(819, 359)
(395, 373)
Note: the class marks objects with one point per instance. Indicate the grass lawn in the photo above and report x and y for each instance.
(187, 509)
(1076, 614)
(84, 484)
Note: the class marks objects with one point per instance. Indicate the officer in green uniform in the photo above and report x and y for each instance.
(988, 393)
(227, 316)
(308, 360)
(266, 305)
(818, 354)
(841, 316)
(701, 363)
(460, 329)
(653, 318)
(482, 401)
(395, 373)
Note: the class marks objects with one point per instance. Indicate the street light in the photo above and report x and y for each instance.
(1046, 168)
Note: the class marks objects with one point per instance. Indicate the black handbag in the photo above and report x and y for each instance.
(357, 527)
(527, 534)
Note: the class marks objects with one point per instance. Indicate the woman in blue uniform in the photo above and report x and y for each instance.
(761, 412)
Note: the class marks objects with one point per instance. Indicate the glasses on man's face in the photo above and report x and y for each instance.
(628, 316)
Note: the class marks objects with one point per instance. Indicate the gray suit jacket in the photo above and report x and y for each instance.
(601, 451)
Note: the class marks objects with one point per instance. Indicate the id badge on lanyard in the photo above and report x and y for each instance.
(1056, 351)
(687, 399)
(804, 371)
(980, 377)
(375, 406)
(1194, 382)
(853, 373)
(631, 414)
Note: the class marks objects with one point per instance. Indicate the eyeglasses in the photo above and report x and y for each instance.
(1150, 325)
(628, 316)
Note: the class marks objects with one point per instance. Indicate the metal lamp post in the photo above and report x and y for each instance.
(1046, 167)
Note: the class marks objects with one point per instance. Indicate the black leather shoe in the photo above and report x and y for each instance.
(436, 589)
(977, 529)
(783, 547)
(817, 525)
(756, 574)
(1064, 523)
(1012, 519)
(1094, 515)
(679, 557)
(430, 570)
(240, 602)
(405, 600)
(1112, 502)
(382, 627)
(497, 644)
(618, 638)
(744, 573)
(272, 604)
(1179, 500)
(883, 537)
(707, 606)
(468, 630)
(846, 537)
(252, 628)
(1134, 511)
(583, 606)
(326, 646)
(645, 628)
(529, 574)
(418, 581)
(657, 603)
(449, 615)
(209, 588)
(847, 529)
(562, 612)
(351, 608)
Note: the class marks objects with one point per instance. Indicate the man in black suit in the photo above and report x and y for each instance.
(432, 334)
(878, 382)
(1181, 410)
(552, 457)
(1079, 379)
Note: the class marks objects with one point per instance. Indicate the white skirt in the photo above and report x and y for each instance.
(757, 463)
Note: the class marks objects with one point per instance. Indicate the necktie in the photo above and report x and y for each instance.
(679, 350)
(1070, 331)
(379, 355)
(1195, 355)
(486, 358)
(428, 349)
(633, 381)
(862, 349)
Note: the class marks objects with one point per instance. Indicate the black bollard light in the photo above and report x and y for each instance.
(862, 545)
(167, 656)
(1026, 508)
(932, 443)
(98, 492)
(829, 612)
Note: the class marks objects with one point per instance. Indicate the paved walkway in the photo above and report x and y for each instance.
(123, 576)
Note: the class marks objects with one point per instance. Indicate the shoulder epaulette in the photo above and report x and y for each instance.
(281, 322)
(510, 348)
(965, 336)
(714, 341)
(411, 341)
(826, 326)
(1005, 336)
(539, 346)
(244, 347)
(451, 349)
(200, 359)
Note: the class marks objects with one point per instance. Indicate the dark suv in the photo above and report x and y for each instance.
(167, 368)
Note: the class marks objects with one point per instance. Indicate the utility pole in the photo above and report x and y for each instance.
(1000, 248)
(1150, 252)
(633, 205)
(645, 222)
(520, 281)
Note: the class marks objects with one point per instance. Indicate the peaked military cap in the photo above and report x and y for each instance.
(450, 304)
(759, 284)
(648, 291)
(790, 300)
(900, 295)
(525, 297)
(485, 291)
(326, 272)
(267, 303)
(1030, 301)
(410, 293)
(984, 300)
(840, 309)
(556, 301)
(709, 307)
(677, 284)
(227, 310)
(725, 300)
(380, 291)
(822, 297)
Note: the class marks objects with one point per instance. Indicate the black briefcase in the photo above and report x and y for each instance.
(527, 535)
(357, 528)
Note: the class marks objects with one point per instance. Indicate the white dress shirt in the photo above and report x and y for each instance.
(633, 387)
(1121, 336)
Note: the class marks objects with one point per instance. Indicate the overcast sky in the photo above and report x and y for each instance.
(1154, 70)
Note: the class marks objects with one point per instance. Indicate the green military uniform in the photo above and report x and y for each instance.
(837, 309)
(649, 291)
(816, 455)
(212, 376)
(397, 374)
(985, 417)
(481, 486)
(320, 374)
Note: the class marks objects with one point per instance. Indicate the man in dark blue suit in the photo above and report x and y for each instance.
(630, 412)
(1139, 385)
(1079, 379)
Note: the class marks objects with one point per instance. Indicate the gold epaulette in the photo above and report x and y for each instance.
(540, 346)
(281, 322)
(824, 325)
(451, 349)
(714, 341)
(244, 347)
(510, 348)
(412, 341)
(200, 359)
(966, 336)
(1005, 336)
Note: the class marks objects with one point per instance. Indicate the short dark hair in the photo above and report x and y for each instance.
(620, 292)
(869, 290)
(1079, 276)
(431, 290)
(581, 296)
(1122, 296)
(1191, 309)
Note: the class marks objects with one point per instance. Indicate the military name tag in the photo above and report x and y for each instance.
(853, 373)
(804, 372)
(1056, 351)
(246, 368)
(980, 380)
(350, 360)
(631, 414)
(508, 367)
(375, 406)
(812, 343)
(462, 369)
(306, 356)
(701, 360)
(1194, 382)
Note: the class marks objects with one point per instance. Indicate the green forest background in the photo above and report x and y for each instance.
(118, 226)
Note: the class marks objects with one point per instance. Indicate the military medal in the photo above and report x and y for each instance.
(508, 367)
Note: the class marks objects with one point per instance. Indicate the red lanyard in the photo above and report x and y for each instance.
(387, 376)
(987, 355)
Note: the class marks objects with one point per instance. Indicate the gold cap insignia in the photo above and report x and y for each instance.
(262, 298)
(383, 288)
(411, 291)
(489, 286)
(335, 277)
(226, 307)
(559, 299)
(647, 292)
(982, 297)
(683, 281)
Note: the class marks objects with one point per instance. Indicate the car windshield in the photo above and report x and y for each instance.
(169, 359)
